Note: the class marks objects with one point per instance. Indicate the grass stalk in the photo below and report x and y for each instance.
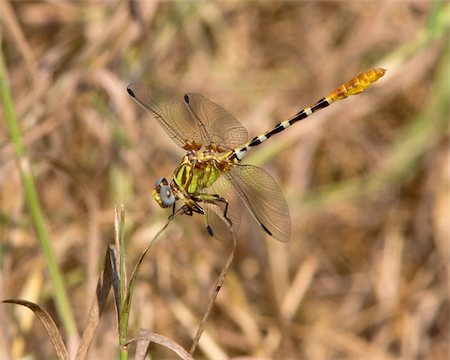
(33, 204)
(119, 225)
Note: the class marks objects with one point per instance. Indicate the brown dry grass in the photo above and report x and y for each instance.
(365, 274)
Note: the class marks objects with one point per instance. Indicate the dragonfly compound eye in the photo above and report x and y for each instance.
(161, 181)
(167, 196)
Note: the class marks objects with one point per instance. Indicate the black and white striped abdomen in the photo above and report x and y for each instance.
(355, 86)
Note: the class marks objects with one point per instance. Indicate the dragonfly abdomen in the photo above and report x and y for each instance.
(354, 86)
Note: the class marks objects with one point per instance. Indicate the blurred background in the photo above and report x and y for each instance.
(365, 274)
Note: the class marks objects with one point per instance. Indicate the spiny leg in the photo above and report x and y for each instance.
(186, 210)
(213, 199)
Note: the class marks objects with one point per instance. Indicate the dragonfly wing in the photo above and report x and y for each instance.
(215, 222)
(217, 126)
(173, 116)
(262, 195)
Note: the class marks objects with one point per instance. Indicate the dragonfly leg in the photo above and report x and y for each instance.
(196, 208)
(214, 198)
(225, 212)
(181, 210)
(185, 209)
(188, 209)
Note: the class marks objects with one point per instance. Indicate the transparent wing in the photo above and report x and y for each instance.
(214, 211)
(217, 126)
(264, 198)
(173, 116)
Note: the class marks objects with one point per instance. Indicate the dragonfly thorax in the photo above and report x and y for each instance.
(198, 171)
(194, 174)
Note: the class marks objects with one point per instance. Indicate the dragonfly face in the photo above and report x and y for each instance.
(163, 193)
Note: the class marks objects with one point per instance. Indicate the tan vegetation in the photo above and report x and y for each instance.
(365, 274)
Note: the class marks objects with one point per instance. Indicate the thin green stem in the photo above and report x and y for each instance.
(32, 200)
(124, 352)
(120, 243)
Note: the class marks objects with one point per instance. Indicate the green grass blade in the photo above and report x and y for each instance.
(32, 200)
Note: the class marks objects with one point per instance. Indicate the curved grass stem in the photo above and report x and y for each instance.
(34, 207)
(213, 296)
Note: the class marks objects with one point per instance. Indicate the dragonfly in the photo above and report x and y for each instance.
(211, 179)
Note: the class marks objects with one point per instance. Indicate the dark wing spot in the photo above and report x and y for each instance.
(266, 229)
(210, 232)
(186, 98)
(130, 92)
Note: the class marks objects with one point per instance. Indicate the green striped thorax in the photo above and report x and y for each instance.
(196, 172)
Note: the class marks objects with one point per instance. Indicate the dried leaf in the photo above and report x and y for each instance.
(49, 325)
(103, 286)
(144, 339)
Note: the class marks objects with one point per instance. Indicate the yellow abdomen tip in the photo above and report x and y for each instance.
(379, 72)
(356, 85)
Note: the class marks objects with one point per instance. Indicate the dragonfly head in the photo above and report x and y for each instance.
(163, 193)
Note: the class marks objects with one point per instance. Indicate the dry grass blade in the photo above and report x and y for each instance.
(119, 221)
(213, 297)
(49, 325)
(103, 286)
(297, 291)
(144, 339)
(135, 13)
(115, 277)
(12, 24)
